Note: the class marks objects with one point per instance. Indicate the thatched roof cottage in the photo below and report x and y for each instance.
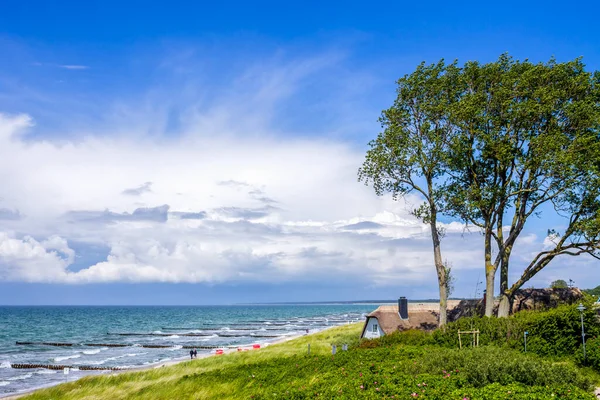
(390, 318)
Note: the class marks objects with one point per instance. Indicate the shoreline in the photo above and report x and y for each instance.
(170, 362)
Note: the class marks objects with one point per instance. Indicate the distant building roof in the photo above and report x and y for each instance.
(390, 321)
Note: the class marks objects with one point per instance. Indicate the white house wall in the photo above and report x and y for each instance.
(370, 333)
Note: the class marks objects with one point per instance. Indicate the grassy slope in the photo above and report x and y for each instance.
(169, 382)
(384, 371)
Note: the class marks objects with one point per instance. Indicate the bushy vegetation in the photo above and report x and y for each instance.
(555, 332)
(592, 349)
(593, 292)
(407, 365)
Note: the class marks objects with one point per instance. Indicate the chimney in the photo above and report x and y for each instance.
(403, 308)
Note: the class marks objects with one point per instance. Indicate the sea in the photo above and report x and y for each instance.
(29, 334)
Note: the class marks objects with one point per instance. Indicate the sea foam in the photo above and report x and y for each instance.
(67, 357)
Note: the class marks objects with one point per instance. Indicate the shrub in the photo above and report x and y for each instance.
(409, 337)
(556, 332)
(429, 372)
(486, 365)
(592, 351)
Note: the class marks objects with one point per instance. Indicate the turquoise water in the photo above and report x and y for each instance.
(153, 325)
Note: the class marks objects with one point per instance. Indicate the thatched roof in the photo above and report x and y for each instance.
(389, 320)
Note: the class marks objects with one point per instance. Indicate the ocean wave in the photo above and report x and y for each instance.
(4, 383)
(45, 372)
(157, 331)
(5, 364)
(135, 354)
(93, 362)
(67, 357)
(20, 377)
(100, 362)
(176, 348)
(96, 351)
(173, 337)
(206, 339)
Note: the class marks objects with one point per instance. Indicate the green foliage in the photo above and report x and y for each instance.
(493, 144)
(592, 351)
(428, 373)
(555, 333)
(559, 284)
(594, 292)
(414, 337)
(526, 135)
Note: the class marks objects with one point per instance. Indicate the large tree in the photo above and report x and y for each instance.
(526, 140)
(410, 154)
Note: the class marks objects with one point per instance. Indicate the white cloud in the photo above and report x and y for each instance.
(219, 227)
(73, 66)
(229, 198)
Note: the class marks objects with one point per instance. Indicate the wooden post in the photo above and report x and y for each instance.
(474, 339)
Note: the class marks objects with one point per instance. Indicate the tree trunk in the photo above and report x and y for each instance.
(443, 296)
(505, 305)
(504, 308)
(490, 274)
(439, 266)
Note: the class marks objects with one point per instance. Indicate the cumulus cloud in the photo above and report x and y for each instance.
(29, 260)
(315, 231)
(228, 198)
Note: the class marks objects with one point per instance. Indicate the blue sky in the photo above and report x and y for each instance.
(204, 153)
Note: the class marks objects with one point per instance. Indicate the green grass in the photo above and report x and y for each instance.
(383, 369)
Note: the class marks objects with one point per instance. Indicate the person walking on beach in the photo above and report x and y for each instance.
(195, 353)
(191, 354)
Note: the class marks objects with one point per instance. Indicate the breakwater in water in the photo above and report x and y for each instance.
(58, 367)
(36, 343)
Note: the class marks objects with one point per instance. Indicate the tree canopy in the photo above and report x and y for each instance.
(494, 145)
(410, 154)
(559, 284)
